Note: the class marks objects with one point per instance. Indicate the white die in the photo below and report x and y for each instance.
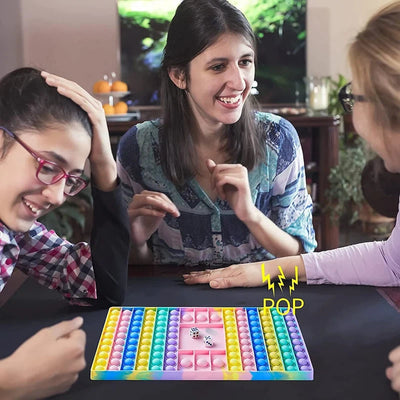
(194, 333)
(208, 341)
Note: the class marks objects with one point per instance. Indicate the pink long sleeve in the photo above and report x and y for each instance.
(371, 263)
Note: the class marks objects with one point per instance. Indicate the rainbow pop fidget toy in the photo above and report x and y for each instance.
(209, 343)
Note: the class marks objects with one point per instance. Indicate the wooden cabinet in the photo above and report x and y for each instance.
(320, 141)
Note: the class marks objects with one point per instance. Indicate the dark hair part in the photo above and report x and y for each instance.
(27, 101)
(198, 24)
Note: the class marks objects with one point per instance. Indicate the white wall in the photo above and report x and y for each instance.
(10, 36)
(79, 39)
(331, 26)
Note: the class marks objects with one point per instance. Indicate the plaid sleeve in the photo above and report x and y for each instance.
(57, 263)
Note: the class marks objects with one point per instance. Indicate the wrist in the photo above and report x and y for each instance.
(104, 176)
(252, 217)
(9, 384)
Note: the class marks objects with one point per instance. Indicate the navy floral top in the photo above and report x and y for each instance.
(208, 232)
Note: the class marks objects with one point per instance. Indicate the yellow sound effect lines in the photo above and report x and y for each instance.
(281, 277)
(271, 285)
(295, 280)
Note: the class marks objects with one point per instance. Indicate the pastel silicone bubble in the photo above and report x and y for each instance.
(115, 362)
(157, 361)
(101, 361)
(187, 317)
(144, 355)
(107, 341)
(170, 362)
(186, 362)
(218, 363)
(130, 354)
(201, 317)
(215, 317)
(142, 361)
(202, 362)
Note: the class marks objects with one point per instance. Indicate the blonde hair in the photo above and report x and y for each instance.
(374, 58)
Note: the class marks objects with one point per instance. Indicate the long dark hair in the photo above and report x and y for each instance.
(197, 24)
(28, 102)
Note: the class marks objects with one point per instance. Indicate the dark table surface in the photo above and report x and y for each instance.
(348, 332)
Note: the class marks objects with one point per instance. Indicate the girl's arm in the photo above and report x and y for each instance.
(110, 239)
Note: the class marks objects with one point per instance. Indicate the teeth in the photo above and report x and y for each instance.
(32, 208)
(230, 100)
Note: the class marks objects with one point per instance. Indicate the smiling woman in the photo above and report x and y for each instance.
(226, 183)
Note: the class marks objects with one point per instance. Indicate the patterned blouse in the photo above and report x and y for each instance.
(208, 232)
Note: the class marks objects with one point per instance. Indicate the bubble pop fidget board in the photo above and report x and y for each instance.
(229, 343)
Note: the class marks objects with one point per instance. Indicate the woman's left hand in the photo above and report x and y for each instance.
(231, 182)
(103, 167)
(240, 275)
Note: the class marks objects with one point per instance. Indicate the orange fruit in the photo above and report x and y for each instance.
(108, 109)
(121, 108)
(101, 87)
(119, 86)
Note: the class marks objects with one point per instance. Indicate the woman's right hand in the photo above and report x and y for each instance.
(48, 363)
(146, 211)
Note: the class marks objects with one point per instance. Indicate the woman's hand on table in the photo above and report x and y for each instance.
(240, 275)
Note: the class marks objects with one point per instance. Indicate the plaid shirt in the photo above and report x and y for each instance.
(50, 260)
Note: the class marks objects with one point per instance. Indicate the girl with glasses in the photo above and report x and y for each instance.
(374, 100)
(49, 128)
(213, 182)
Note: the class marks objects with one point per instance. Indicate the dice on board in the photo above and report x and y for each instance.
(208, 341)
(194, 333)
